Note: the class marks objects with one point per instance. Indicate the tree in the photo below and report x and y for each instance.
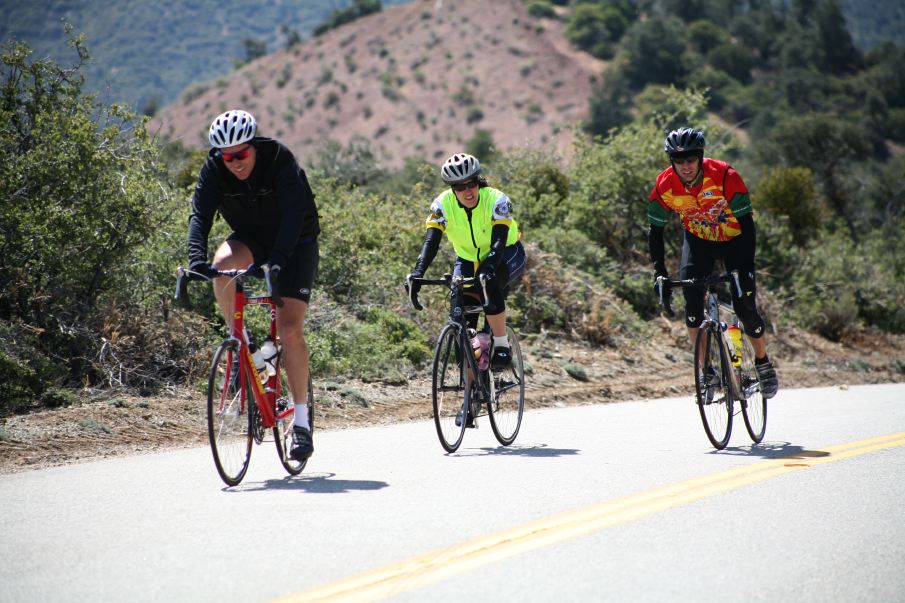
(840, 54)
(596, 28)
(825, 144)
(610, 104)
(481, 145)
(81, 192)
(654, 49)
(292, 36)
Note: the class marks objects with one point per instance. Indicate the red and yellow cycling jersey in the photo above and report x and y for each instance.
(710, 210)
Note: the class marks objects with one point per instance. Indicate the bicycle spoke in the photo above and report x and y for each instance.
(449, 393)
(508, 402)
(712, 390)
(754, 407)
(229, 421)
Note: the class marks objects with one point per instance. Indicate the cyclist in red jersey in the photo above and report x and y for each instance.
(713, 203)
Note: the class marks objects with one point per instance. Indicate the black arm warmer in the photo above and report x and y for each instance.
(428, 251)
(498, 237)
(657, 249)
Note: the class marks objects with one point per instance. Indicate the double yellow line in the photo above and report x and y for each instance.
(438, 565)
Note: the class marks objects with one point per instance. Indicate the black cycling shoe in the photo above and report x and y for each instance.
(469, 422)
(709, 380)
(302, 445)
(501, 359)
(766, 375)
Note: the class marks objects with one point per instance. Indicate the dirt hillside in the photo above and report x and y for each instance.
(414, 80)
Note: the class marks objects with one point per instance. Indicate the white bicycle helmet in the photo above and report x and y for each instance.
(232, 128)
(459, 168)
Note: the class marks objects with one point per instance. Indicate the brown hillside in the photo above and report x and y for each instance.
(415, 80)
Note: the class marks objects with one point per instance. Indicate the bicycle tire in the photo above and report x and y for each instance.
(282, 431)
(449, 394)
(229, 416)
(712, 391)
(754, 406)
(508, 404)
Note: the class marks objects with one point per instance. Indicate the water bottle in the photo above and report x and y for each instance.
(258, 358)
(484, 358)
(270, 354)
(475, 343)
(735, 336)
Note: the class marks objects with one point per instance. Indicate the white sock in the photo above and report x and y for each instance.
(301, 416)
(500, 342)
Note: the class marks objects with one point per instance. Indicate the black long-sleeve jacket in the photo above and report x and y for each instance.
(274, 206)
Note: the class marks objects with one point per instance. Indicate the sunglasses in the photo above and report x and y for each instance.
(684, 160)
(464, 186)
(230, 157)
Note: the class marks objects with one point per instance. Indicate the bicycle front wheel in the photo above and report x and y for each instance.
(450, 396)
(229, 420)
(508, 402)
(714, 397)
(754, 406)
(282, 431)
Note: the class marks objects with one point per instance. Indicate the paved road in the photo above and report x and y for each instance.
(611, 502)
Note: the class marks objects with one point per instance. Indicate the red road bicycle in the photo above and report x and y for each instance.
(242, 403)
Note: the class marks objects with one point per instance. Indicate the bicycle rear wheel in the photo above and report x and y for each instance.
(449, 393)
(508, 402)
(754, 406)
(714, 397)
(282, 431)
(229, 420)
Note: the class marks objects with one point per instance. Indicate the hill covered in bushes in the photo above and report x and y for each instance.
(95, 210)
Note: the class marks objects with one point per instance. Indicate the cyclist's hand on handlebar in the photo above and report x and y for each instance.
(663, 291)
(202, 270)
(257, 268)
(412, 287)
(488, 271)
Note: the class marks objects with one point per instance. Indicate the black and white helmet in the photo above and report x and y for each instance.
(459, 168)
(232, 128)
(684, 141)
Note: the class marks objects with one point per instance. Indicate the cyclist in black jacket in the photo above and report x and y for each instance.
(257, 186)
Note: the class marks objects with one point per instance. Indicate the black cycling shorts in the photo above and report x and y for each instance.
(297, 276)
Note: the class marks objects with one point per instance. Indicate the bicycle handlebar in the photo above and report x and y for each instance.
(184, 275)
(713, 279)
(449, 281)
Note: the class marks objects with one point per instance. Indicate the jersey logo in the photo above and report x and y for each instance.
(502, 210)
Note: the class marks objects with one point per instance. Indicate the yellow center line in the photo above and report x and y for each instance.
(438, 565)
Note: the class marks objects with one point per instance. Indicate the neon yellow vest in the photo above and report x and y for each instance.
(471, 238)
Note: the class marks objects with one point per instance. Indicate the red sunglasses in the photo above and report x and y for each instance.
(230, 157)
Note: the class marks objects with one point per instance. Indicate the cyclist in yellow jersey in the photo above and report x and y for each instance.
(477, 220)
(713, 203)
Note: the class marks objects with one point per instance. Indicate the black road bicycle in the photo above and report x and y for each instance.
(462, 391)
(723, 370)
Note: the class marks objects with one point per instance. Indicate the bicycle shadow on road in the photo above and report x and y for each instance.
(539, 451)
(315, 483)
(772, 450)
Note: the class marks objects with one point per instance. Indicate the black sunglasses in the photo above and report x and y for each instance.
(464, 186)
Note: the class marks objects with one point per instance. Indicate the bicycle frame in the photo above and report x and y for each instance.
(712, 317)
(457, 315)
(265, 397)
(265, 394)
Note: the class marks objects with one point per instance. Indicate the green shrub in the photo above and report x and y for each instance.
(576, 371)
(84, 194)
(541, 9)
